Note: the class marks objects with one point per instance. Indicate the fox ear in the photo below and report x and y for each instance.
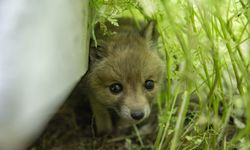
(150, 32)
(95, 52)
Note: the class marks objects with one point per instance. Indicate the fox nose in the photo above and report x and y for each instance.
(137, 115)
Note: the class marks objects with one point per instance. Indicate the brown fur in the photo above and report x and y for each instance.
(127, 56)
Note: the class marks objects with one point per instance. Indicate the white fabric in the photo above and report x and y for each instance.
(43, 53)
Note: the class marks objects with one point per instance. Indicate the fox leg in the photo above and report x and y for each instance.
(102, 118)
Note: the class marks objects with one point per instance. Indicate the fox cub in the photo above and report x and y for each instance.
(125, 74)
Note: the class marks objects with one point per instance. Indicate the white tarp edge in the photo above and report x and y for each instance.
(43, 53)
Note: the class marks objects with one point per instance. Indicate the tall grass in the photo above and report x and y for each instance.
(213, 40)
(207, 47)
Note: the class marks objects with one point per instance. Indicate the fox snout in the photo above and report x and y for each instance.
(134, 115)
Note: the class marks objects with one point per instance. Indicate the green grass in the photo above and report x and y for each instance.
(208, 41)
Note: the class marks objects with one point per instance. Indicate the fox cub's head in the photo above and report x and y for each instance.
(126, 71)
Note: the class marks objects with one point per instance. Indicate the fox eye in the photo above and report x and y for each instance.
(149, 84)
(115, 88)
